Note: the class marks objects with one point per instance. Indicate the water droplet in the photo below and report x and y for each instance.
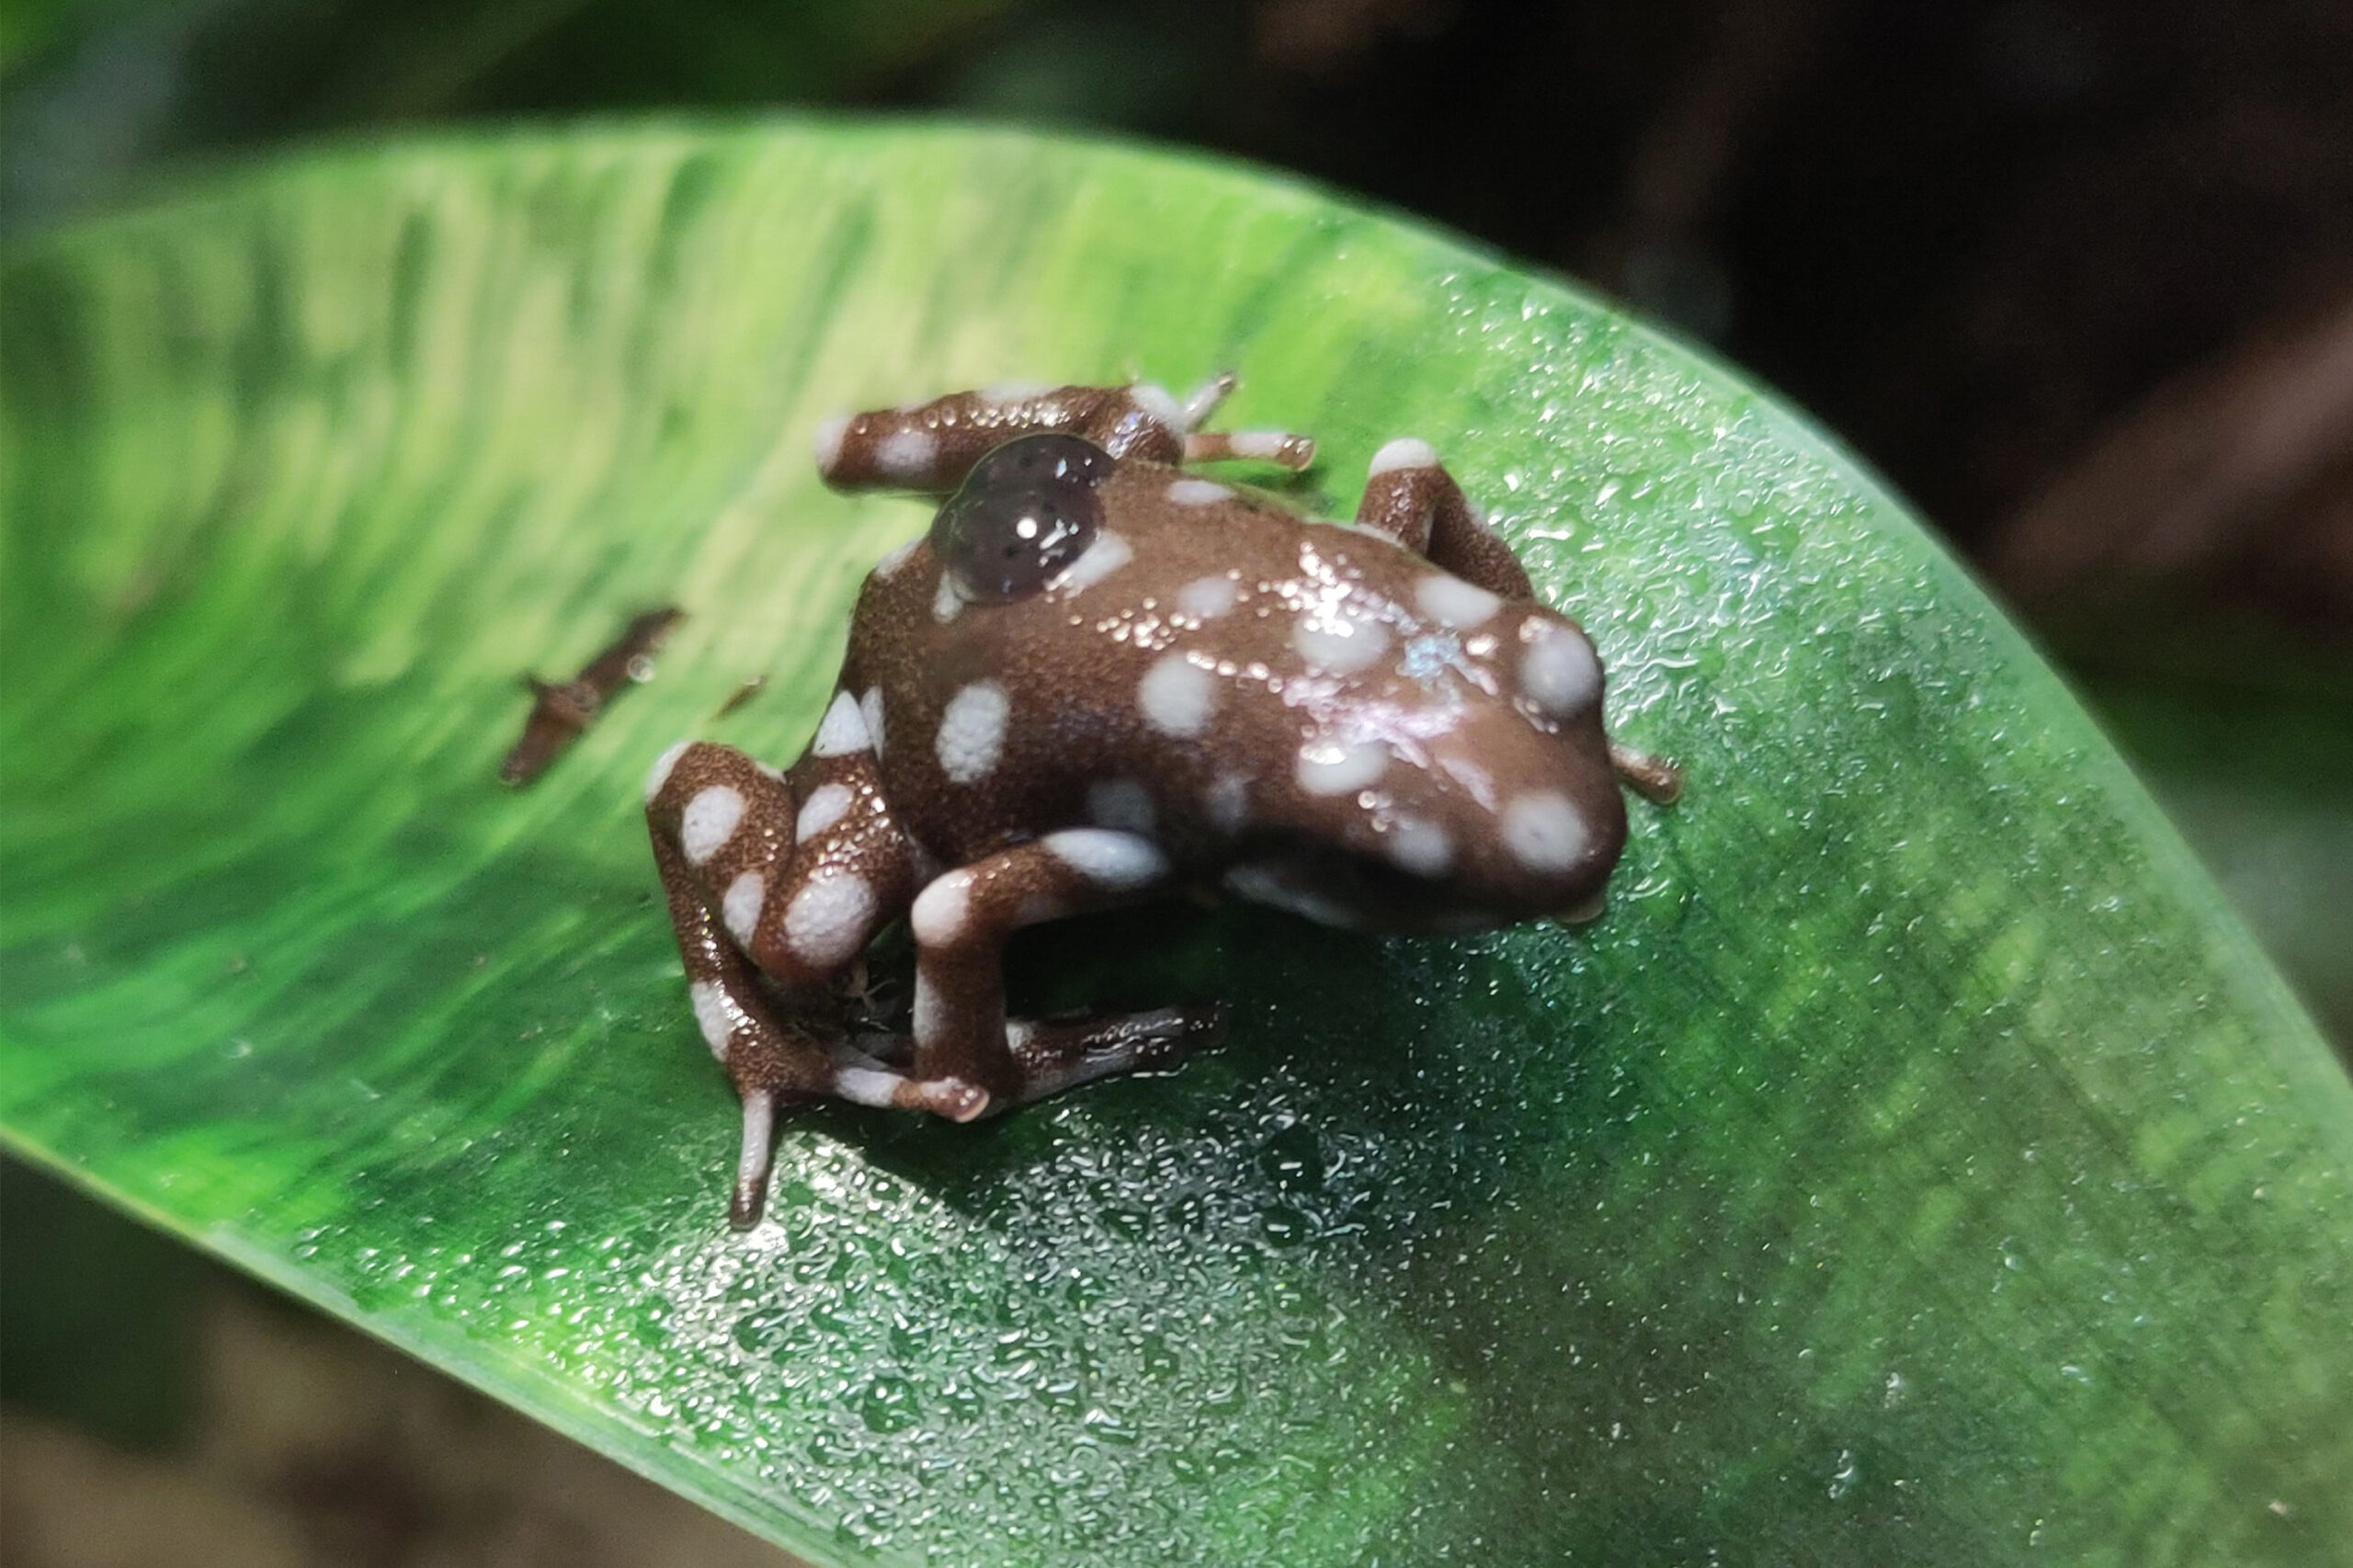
(889, 1405)
(1284, 1226)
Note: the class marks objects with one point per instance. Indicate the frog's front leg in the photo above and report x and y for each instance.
(785, 878)
(1409, 496)
(961, 924)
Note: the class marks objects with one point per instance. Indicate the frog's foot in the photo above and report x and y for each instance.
(1205, 400)
(877, 1081)
(1281, 448)
(1653, 778)
(1054, 1054)
(958, 1099)
(1050, 1055)
(856, 1079)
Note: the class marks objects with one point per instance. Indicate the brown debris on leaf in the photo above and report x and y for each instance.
(563, 710)
(740, 695)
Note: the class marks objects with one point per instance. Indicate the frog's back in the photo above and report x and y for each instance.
(1242, 686)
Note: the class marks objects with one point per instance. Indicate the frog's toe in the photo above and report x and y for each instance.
(1204, 400)
(951, 1097)
(863, 1077)
(752, 1162)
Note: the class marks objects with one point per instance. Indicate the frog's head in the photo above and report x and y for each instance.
(1464, 785)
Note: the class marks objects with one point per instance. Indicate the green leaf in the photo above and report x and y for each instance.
(1917, 1164)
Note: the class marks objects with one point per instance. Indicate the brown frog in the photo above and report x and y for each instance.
(1101, 679)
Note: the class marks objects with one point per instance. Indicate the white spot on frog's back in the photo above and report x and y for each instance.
(906, 455)
(1407, 451)
(1336, 767)
(972, 732)
(659, 774)
(826, 921)
(888, 566)
(843, 730)
(1340, 644)
(826, 806)
(1452, 602)
(1122, 803)
(1098, 561)
(1197, 493)
(1206, 598)
(709, 822)
(1558, 670)
(1120, 861)
(1177, 696)
(869, 708)
(1544, 831)
(739, 907)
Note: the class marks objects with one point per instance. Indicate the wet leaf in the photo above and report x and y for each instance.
(1917, 1164)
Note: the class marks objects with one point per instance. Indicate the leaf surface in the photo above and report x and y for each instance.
(1917, 1164)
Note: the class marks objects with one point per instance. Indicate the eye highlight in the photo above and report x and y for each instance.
(1026, 511)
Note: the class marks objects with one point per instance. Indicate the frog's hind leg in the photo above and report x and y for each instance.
(1410, 498)
(962, 923)
(930, 447)
(1053, 1054)
(763, 1058)
(791, 877)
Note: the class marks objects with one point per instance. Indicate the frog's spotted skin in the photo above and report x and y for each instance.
(1118, 680)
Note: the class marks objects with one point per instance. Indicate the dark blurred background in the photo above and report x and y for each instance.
(2076, 275)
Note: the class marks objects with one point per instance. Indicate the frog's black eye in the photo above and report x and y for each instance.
(1039, 459)
(1027, 510)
